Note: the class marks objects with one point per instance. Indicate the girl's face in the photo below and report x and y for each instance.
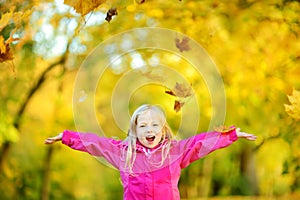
(149, 128)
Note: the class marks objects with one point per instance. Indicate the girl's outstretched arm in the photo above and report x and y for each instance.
(245, 135)
(200, 145)
(91, 143)
(54, 139)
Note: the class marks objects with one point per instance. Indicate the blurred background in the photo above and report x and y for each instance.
(254, 44)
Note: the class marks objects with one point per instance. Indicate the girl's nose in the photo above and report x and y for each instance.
(149, 130)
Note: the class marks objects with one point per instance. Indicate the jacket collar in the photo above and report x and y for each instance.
(141, 148)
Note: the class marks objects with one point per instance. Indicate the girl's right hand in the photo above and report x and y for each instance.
(51, 140)
(245, 135)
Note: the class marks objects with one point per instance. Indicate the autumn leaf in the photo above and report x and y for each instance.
(293, 109)
(170, 92)
(111, 12)
(5, 19)
(180, 90)
(182, 45)
(20, 17)
(84, 6)
(2, 45)
(5, 53)
(17, 18)
(178, 105)
(152, 75)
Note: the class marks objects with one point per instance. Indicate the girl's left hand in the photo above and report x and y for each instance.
(245, 135)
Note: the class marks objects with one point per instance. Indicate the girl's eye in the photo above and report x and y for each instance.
(141, 126)
(155, 124)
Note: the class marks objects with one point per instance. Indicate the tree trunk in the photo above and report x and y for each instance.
(46, 174)
(248, 169)
(206, 180)
(4, 152)
(19, 114)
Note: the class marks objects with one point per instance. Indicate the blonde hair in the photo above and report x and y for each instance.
(132, 136)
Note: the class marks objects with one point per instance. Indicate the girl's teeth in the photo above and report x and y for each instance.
(150, 139)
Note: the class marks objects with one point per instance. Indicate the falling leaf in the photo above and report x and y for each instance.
(182, 45)
(180, 90)
(293, 110)
(178, 105)
(152, 75)
(223, 129)
(170, 92)
(111, 12)
(84, 6)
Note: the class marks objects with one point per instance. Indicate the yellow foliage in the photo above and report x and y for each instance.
(5, 53)
(5, 20)
(2, 45)
(240, 40)
(269, 169)
(18, 17)
(157, 13)
(294, 109)
(131, 8)
(7, 131)
(84, 6)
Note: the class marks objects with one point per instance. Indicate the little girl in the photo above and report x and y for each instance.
(149, 159)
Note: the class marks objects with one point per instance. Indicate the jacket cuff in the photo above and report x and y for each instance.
(233, 135)
(231, 131)
(67, 136)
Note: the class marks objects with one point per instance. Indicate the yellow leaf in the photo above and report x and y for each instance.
(5, 20)
(71, 2)
(18, 17)
(5, 53)
(84, 6)
(294, 109)
(2, 45)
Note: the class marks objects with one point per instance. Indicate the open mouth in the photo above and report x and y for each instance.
(150, 138)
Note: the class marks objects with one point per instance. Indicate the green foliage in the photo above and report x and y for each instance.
(7, 130)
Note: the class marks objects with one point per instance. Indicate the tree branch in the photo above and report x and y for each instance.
(34, 89)
(266, 139)
(16, 123)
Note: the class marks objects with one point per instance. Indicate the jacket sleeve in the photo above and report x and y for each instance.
(94, 145)
(202, 144)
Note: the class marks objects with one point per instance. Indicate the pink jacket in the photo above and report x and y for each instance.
(149, 180)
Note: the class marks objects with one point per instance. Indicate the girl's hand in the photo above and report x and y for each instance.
(245, 135)
(51, 140)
